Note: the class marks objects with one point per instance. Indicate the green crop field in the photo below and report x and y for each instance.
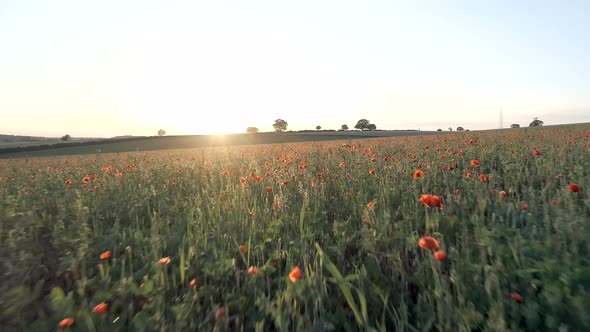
(471, 231)
(135, 144)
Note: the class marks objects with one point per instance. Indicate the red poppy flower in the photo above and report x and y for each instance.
(475, 162)
(516, 297)
(219, 313)
(252, 270)
(101, 309)
(68, 182)
(440, 255)
(164, 261)
(372, 172)
(105, 255)
(428, 243)
(242, 248)
(66, 322)
(574, 188)
(418, 174)
(193, 282)
(431, 201)
(295, 274)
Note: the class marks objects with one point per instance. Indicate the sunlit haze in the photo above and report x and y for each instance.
(109, 68)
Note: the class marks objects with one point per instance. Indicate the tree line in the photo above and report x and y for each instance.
(280, 126)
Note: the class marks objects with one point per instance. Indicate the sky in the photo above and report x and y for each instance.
(111, 68)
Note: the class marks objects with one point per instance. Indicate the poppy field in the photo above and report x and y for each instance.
(470, 231)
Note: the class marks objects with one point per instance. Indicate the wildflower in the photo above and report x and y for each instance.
(295, 274)
(252, 270)
(66, 322)
(475, 162)
(193, 282)
(482, 178)
(554, 202)
(370, 205)
(242, 248)
(268, 189)
(574, 188)
(418, 174)
(502, 193)
(431, 201)
(365, 221)
(428, 243)
(524, 207)
(243, 179)
(219, 313)
(516, 297)
(225, 172)
(86, 179)
(68, 182)
(440, 255)
(537, 153)
(101, 309)
(372, 172)
(468, 175)
(105, 255)
(164, 261)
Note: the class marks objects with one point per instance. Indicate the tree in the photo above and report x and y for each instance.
(439, 129)
(344, 127)
(362, 124)
(252, 130)
(371, 126)
(318, 128)
(450, 129)
(280, 125)
(66, 137)
(460, 128)
(515, 125)
(161, 132)
(536, 123)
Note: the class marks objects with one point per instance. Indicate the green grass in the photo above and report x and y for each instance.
(305, 205)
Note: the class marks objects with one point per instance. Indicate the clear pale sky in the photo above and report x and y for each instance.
(107, 68)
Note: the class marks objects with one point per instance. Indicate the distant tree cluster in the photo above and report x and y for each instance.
(161, 132)
(280, 125)
(536, 123)
(364, 124)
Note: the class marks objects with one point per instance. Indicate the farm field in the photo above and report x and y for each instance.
(471, 231)
(134, 144)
